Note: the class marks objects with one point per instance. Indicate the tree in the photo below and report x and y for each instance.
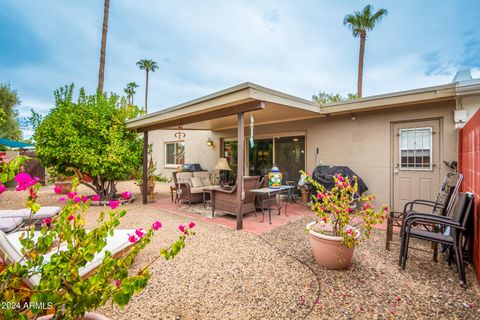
(147, 65)
(101, 71)
(130, 91)
(359, 23)
(9, 127)
(90, 137)
(325, 98)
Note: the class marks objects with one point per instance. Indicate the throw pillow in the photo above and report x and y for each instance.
(197, 182)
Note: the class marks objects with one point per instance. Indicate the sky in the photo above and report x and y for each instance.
(297, 47)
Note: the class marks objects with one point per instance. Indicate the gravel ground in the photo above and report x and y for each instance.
(226, 274)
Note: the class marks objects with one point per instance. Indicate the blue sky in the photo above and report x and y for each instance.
(297, 47)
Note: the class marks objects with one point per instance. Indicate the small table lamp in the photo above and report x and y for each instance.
(223, 167)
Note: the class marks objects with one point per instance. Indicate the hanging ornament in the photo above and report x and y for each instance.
(179, 152)
(252, 124)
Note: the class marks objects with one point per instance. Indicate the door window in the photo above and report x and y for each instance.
(416, 149)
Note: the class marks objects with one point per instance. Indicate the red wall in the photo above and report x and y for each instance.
(469, 165)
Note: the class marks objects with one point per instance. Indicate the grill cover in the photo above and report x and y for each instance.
(324, 176)
(191, 167)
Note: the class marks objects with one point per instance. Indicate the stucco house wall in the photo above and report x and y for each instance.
(196, 149)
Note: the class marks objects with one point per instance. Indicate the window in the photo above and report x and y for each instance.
(416, 149)
(174, 153)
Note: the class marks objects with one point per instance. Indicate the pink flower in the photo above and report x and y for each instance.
(70, 195)
(139, 233)
(117, 283)
(62, 199)
(113, 204)
(366, 206)
(71, 217)
(126, 195)
(156, 225)
(2, 188)
(95, 197)
(76, 199)
(132, 238)
(191, 225)
(181, 228)
(24, 181)
(47, 221)
(84, 199)
(58, 189)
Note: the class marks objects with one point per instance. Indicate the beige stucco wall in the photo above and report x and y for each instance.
(363, 144)
(196, 149)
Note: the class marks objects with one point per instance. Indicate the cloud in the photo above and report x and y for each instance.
(295, 47)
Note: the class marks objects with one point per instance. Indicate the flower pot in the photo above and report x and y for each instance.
(328, 250)
(150, 188)
(87, 316)
(66, 186)
(305, 195)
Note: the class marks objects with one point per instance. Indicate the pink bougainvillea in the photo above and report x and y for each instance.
(2, 188)
(95, 197)
(126, 195)
(25, 181)
(113, 204)
(57, 189)
(156, 225)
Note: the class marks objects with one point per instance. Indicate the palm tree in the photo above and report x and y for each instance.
(101, 70)
(147, 65)
(130, 91)
(360, 23)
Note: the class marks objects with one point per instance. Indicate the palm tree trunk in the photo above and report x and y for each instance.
(101, 71)
(361, 55)
(146, 92)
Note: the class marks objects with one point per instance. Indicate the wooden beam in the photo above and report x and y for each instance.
(209, 115)
(145, 167)
(240, 167)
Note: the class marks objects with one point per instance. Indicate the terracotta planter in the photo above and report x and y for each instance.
(328, 250)
(65, 185)
(305, 196)
(88, 316)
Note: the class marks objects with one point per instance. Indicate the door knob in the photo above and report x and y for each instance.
(396, 171)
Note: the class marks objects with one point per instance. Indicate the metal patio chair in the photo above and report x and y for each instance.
(441, 206)
(454, 228)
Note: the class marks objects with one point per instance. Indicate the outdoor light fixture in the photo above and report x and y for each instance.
(210, 142)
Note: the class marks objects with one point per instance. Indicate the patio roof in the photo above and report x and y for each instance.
(218, 111)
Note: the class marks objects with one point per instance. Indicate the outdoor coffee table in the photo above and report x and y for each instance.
(207, 196)
(264, 194)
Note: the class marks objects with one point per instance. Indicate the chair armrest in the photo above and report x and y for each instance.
(427, 203)
(184, 186)
(431, 218)
(224, 191)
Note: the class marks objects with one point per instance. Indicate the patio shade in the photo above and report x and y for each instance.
(14, 144)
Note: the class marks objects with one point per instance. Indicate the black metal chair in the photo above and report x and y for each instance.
(454, 227)
(441, 206)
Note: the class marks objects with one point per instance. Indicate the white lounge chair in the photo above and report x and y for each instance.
(10, 224)
(10, 251)
(29, 218)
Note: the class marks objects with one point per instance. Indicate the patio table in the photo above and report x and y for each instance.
(264, 193)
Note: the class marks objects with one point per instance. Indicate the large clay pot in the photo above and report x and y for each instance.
(305, 195)
(150, 188)
(328, 250)
(88, 316)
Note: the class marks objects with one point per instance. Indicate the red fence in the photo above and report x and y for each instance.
(469, 165)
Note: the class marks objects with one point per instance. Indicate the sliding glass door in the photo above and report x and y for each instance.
(287, 153)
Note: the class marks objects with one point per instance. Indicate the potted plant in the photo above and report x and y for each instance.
(60, 292)
(152, 178)
(344, 219)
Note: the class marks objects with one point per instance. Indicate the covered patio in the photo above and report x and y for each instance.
(238, 107)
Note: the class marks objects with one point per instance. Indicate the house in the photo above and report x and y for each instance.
(396, 142)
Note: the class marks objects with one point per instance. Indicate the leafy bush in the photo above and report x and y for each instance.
(61, 288)
(90, 137)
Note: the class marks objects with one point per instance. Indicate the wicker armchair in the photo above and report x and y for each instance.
(226, 200)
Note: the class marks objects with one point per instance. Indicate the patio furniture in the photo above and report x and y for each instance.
(189, 185)
(10, 252)
(454, 230)
(269, 198)
(27, 217)
(226, 199)
(441, 206)
(8, 225)
(207, 197)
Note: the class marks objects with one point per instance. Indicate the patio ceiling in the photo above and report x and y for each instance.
(219, 110)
